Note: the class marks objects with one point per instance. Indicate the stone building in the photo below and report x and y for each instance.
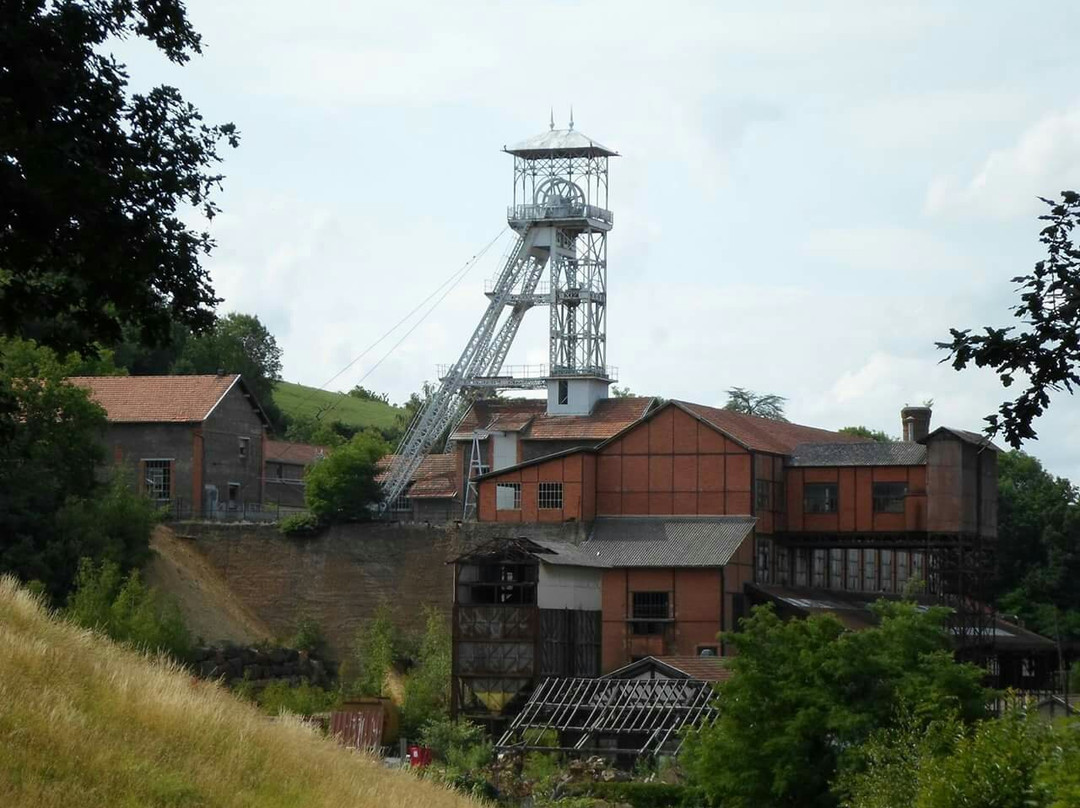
(194, 444)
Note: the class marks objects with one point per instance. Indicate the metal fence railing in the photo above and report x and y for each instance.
(180, 510)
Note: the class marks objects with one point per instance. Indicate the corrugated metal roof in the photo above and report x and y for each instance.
(566, 554)
(561, 140)
(900, 453)
(668, 541)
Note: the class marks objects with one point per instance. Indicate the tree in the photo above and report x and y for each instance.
(806, 692)
(1046, 351)
(342, 487)
(53, 508)
(763, 405)
(362, 393)
(376, 648)
(127, 610)
(621, 392)
(427, 690)
(876, 435)
(237, 343)
(94, 180)
(1015, 761)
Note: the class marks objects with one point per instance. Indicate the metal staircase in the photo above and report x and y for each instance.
(483, 356)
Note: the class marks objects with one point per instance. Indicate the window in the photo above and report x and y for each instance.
(836, 568)
(819, 568)
(852, 581)
(508, 497)
(762, 491)
(870, 571)
(901, 570)
(401, 504)
(549, 496)
(650, 610)
(564, 391)
(245, 445)
(234, 494)
(886, 570)
(158, 479)
(889, 497)
(800, 567)
(820, 497)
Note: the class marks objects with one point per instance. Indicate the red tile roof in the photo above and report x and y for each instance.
(529, 417)
(703, 668)
(435, 478)
(156, 399)
(297, 454)
(765, 434)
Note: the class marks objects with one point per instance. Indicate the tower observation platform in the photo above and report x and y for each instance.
(561, 215)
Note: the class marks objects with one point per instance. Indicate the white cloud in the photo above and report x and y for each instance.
(913, 252)
(1044, 160)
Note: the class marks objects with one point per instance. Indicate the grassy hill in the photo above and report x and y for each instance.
(297, 399)
(86, 722)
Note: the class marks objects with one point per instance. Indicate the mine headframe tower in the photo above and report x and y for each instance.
(561, 218)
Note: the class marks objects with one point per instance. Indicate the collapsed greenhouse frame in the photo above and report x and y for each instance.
(617, 717)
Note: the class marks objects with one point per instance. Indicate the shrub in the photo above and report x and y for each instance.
(427, 689)
(309, 637)
(301, 699)
(127, 610)
(299, 524)
(641, 795)
(374, 653)
(460, 744)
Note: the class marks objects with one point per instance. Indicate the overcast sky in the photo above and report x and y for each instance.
(807, 198)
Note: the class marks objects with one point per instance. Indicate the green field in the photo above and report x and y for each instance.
(297, 400)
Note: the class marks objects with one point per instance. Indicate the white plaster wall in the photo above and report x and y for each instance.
(568, 587)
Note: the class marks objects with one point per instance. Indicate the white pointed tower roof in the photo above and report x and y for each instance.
(561, 142)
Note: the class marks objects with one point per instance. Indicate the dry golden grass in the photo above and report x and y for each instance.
(84, 722)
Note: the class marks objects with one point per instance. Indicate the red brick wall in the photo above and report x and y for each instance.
(673, 464)
(697, 607)
(856, 500)
(576, 472)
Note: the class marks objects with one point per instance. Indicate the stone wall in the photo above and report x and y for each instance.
(340, 577)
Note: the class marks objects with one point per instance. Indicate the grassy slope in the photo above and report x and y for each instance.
(297, 399)
(85, 722)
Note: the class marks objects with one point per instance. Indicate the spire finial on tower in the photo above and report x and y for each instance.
(571, 116)
(552, 125)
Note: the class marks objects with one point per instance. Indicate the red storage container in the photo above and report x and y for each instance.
(419, 756)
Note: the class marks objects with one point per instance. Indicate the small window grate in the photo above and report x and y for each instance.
(158, 479)
(550, 496)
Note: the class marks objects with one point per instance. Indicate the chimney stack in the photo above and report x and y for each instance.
(915, 423)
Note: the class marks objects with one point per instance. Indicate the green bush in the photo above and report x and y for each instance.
(301, 699)
(462, 745)
(376, 647)
(127, 610)
(427, 688)
(309, 637)
(299, 524)
(342, 487)
(641, 795)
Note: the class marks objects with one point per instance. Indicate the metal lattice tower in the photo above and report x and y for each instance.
(560, 216)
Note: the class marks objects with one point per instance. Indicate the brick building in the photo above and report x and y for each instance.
(192, 443)
(286, 464)
(695, 509)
